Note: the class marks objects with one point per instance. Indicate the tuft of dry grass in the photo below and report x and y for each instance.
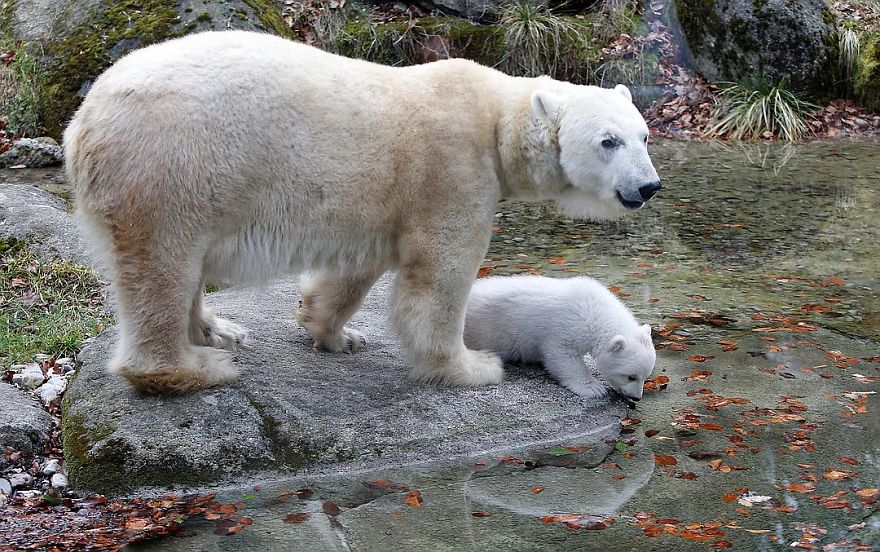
(745, 111)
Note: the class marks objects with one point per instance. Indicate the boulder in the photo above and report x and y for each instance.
(43, 221)
(32, 153)
(765, 41)
(24, 425)
(296, 410)
(66, 44)
(866, 83)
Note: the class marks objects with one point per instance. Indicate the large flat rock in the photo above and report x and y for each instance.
(295, 410)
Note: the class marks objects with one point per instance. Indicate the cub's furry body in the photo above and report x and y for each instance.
(555, 322)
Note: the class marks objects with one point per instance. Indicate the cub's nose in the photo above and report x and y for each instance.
(648, 190)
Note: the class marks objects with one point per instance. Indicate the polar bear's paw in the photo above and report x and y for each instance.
(587, 389)
(346, 341)
(472, 369)
(199, 367)
(221, 333)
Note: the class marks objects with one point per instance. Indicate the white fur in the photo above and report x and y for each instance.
(556, 321)
(234, 156)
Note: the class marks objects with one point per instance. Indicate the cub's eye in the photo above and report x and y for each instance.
(608, 144)
(633, 378)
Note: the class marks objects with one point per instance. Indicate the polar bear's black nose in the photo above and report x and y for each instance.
(648, 190)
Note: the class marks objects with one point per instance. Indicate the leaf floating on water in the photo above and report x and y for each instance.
(700, 358)
(537, 489)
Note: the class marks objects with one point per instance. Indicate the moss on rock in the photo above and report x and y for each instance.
(867, 79)
(77, 55)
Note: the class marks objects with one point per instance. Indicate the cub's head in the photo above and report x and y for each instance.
(600, 142)
(626, 361)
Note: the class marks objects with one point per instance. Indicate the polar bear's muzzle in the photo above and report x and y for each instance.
(646, 192)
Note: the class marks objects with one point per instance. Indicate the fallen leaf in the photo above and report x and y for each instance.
(330, 508)
(700, 358)
(414, 498)
(665, 460)
(299, 517)
(537, 489)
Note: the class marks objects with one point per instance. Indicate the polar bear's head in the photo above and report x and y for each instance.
(626, 361)
(600, 142)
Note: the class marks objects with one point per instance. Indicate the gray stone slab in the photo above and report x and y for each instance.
(24, 425)
(295, 410)
(42, 221)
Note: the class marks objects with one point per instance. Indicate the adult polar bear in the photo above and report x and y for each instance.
(237, 156)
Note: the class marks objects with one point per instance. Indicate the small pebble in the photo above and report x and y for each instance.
(20, 480)
(5, 487)
(28, 494)
(51, 467)
(59, 481)
(30, 377)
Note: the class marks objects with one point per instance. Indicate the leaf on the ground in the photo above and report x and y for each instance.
(665, 460)
(298, 517)
(413, 498)
(330, 508)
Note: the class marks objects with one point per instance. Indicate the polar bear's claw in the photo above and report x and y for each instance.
(347, 341)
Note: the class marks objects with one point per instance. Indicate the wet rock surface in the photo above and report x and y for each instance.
(296, 410)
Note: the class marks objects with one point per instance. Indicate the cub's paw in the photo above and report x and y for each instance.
(222, 334)
(346, 341)
(588, 389)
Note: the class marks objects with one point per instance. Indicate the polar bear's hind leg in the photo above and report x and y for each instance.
(155, 295)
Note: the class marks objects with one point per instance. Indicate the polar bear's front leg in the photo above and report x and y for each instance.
(567, 366)
(328, 302)
(428, 311)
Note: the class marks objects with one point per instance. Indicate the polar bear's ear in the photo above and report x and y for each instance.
(545, 105)
(624, 91)
(616, 344)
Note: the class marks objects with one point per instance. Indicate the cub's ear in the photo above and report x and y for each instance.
(616, 344)
(546, 105)
(623, 91)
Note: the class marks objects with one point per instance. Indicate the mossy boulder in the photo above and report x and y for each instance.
(762, 41)
(295, 410)
(866, 83)
(62, 46)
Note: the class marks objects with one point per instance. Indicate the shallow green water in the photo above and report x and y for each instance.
(774, 251)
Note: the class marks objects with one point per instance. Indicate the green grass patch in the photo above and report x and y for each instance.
(46, 307)
(755, 111)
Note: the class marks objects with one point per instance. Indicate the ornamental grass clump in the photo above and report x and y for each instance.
(539, 42)
(763, 111)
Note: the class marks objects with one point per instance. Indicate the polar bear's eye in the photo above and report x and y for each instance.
(633, 378)
(608, 143)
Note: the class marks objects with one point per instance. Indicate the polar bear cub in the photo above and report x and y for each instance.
(557, 321)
